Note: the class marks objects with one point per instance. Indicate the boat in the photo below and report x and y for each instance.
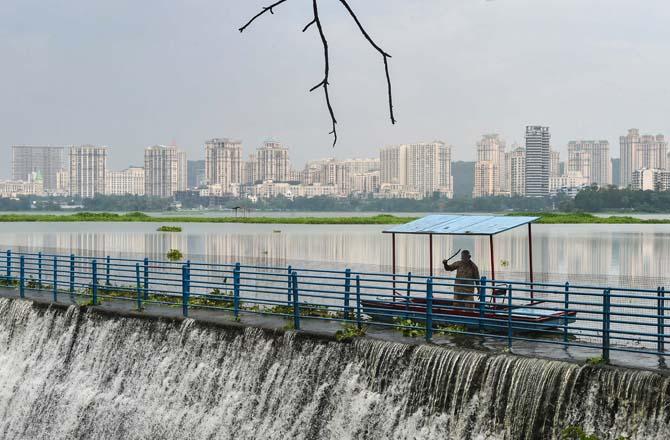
(492, 313)
(494, 318)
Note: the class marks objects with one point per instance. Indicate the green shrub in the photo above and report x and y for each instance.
(349, 332)
(410, 328)
(576, 433)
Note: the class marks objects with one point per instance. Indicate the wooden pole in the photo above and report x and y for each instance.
(530, 257)
(393, 262)
(493, 261)
(431, 254)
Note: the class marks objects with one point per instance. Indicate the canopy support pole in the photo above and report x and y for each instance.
(530, 257)
(493, 261)
(431, 254)
(393, 262)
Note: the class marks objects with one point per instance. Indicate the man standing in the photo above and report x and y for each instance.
(467, 274)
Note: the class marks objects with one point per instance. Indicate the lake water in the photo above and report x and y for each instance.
(622, 254)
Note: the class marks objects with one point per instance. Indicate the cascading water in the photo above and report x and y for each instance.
(76, 374)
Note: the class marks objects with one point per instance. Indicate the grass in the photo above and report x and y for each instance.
(382, 219)
(584, 218)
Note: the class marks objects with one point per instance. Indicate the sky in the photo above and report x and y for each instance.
(130, 74)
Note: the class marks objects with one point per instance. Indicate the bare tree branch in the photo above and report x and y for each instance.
(265, 9)
(384, 54)
(308, 25)
(325, 82)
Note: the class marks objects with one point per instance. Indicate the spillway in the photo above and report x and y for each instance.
(76, 373)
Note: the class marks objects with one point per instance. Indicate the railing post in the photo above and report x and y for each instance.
(39, 270)
(94, 281)
(288, 287)
(347, 292)
(236, 290)
(509, 317)
(296, 302)
(9, 265)
(146, 279)
(429, 309)
(108, 271)
(358, 301)
(408, 293)
(22, 277)
(482, 301)
(71, 274)
(185, 290)
(661, 319)
(55, 279)
(566, 308)
(606, 325)
(138, 286)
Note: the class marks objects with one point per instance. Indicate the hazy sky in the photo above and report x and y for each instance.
(130, 74)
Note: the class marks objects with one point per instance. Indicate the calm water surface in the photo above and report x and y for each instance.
(584, 252)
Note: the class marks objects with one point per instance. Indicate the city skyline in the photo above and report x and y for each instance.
(198, 153)
(93, 95)
(413, 170)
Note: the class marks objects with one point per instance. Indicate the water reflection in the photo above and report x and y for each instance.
(586, 252)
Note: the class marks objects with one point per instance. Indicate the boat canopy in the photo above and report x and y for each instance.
(461, 225)
(486, 225)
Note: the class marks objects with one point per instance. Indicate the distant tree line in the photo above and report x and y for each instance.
(589, 200)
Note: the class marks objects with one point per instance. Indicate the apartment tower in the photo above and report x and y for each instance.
(223, 163)
(88, 170)
(44, 160)
(165, 171)
(537, 161)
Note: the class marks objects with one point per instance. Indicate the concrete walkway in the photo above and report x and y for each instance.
(327, 329)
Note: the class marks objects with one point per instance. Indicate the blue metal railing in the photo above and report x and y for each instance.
(602, 318)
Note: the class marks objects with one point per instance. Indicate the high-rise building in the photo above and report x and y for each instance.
(554, 163)
(125, 182)
(537, 161)
(515, 162)
(273, 163)
(393, 164)
(164, 171)
(616, 171)
(195, 171)
(250, 170)
(88, 170)
(591, 159)
(490, 175)
(637, 152)
(32, 186)
(223, 164)
(42, 159)
(422, 168)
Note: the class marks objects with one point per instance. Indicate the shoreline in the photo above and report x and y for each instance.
(381, 219)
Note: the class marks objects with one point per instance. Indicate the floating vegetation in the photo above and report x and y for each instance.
(169, 229)
(174, 255)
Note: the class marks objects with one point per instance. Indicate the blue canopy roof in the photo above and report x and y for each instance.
(461, 225)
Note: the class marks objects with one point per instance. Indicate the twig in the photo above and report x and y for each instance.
(325, 82)
(265, 9)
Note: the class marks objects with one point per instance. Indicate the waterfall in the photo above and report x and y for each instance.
(79, 374)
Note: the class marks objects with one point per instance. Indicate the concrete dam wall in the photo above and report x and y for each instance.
(79, 374)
